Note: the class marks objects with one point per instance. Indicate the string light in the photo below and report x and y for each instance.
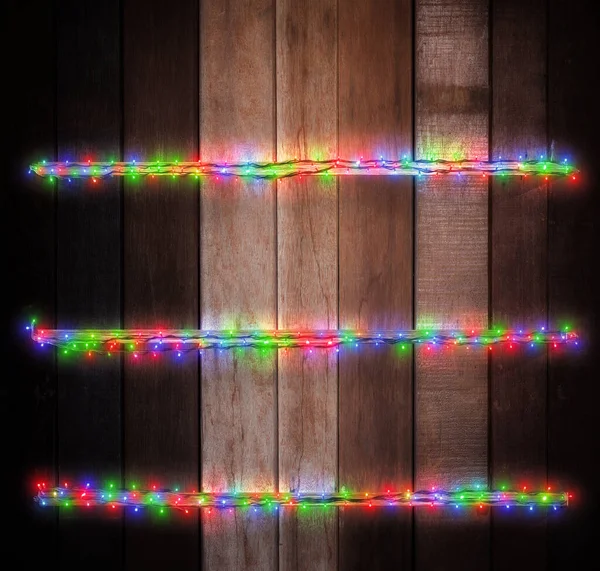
(86, 496)
(155, 341)
(273, 170)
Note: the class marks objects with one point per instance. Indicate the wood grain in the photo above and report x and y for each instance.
(518, 276)
(451, 393)
(161, 271)
(238, 277)
(89, 272)
(64, 63)
(307, 276)
(375, 268)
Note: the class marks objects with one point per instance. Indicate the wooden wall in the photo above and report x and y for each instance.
(277, 79)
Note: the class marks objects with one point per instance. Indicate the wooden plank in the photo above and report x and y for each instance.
(451, 393)
(238, 278)
(574, 282)
(375, 289)
(89, 272)
(28, 392)
(307, 277)
(161, 271)
(518, 277)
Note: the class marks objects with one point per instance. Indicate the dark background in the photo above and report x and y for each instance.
(85, 77)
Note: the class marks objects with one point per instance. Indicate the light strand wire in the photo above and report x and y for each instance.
(88, 497)
(182, 340)
(305, 167)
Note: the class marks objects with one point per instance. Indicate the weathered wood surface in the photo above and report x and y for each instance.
(260, 79)
(88, 270)
(375, 278)
(307, 277)
(451, 256)
(161, 433)
(238, 277)
(519, 279)
(574, 282)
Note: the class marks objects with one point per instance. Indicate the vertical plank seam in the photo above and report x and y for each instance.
(490, 254)
(338, 186)
(55, 301)
(198, 188)
(121, 191)
(276, 253)
(414, 265)
(548, 206)
(200, 382)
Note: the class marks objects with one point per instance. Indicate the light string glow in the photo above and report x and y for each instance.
(274, 170)
(113, 497)
(154, 341)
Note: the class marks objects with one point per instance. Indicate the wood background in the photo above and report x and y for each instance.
(276, 79)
